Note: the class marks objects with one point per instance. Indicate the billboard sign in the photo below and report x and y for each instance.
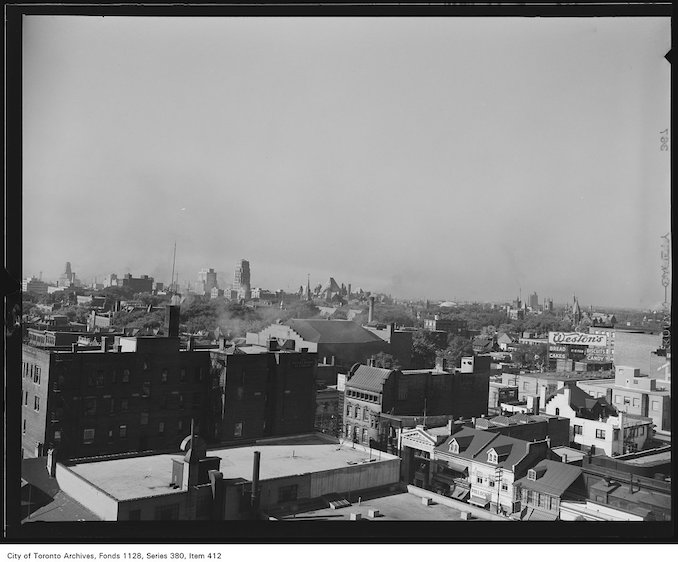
(577, 338)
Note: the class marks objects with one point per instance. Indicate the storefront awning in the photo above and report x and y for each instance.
(536, 515)
(457, 467)
(460, 494)
(480, 502)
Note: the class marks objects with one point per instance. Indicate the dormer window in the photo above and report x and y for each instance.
(492, 457)
(532, 474)
(454, 447)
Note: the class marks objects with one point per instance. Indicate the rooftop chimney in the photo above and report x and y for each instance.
(370, 311)
(255, 480)
(171, 321)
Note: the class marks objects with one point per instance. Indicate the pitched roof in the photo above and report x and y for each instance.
(510, 450)
(580, 399)
(369, 378)
(331, 331)
(555, 480)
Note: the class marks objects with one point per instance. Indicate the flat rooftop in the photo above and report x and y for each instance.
(136, 477)
(401, 506)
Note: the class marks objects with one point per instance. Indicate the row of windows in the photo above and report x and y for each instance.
(89, 434)
(31, 372)
(357, 434)
(108, 405)
(366, 396)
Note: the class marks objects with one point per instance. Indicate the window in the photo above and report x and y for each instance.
(492, 457)
(115, 377)
(122, 431)
(146, 389)
(111, 405)
(180, 398)
(504, 487)
(57, 436)
(125, 375)
(617, 399)
(24, 426)
(366, 437)
(454, 447)
(365, 414)
(357, 412)
(110, 434)
(655, 405)
(167, 512)
(636, 402)
(479, 479)
(163, 376)
(90, 406)
(161, 427)
(182, 375)
(526, 385)
(26, 398)
(36, 404)
(88, 436)
(578, 429)
(147, 365)
(557, 411)
(600, 434)
(287, 493)
(124, 404)
(491, 483)
(348, 410)
(237, 429)
(144, 418)
(36, 375)
(99, 379)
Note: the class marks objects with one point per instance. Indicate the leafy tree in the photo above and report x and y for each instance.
(386, 361)
(301, 309)
(457, 348)
(424, 351)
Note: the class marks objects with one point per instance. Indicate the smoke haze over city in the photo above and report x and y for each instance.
(428, 158)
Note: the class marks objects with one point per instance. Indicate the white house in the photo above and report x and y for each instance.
(596, 424)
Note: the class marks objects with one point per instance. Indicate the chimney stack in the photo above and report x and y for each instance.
(171, 321)
(370, 311)
(255, 481)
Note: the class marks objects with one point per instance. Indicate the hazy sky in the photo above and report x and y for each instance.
(446, 158)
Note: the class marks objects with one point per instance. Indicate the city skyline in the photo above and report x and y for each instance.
(426, 158)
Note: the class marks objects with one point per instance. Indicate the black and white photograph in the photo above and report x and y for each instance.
(321, 275)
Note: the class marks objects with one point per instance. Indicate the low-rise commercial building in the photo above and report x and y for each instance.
(226, 483)
(636, 394)
(598, 426)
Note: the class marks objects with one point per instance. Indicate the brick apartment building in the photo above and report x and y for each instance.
(373, 396)
(142, 393)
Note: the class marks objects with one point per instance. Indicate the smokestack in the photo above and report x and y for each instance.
(255, 480)
(171, 321)
(370, 311)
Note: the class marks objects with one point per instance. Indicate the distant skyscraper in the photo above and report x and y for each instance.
(67, 277)
(241, 280)
(207, 280)
(534, 301)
